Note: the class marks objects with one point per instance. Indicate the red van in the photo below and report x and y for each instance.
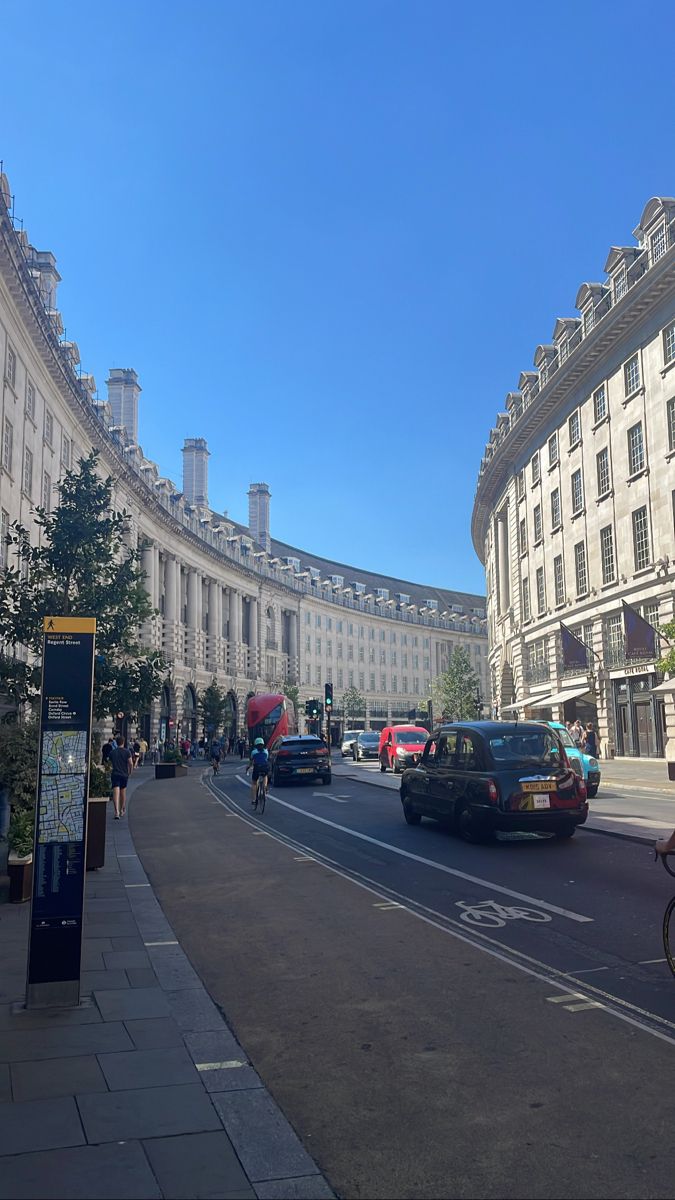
(401, 746)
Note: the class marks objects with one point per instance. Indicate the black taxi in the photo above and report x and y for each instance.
(482, 776)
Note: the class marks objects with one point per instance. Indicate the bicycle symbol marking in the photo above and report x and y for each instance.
(489, 913)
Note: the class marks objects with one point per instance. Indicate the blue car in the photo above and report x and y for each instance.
(583, 764)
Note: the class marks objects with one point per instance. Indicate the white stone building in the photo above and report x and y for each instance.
(575, 505)
(230, 601)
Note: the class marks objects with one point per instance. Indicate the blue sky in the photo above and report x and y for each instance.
(329, 236)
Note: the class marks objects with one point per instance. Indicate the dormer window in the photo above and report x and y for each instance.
(657, 244)
(589, 320)
(620, 284)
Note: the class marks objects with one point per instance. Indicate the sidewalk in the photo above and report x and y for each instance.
(142, 1091)
(635, 800)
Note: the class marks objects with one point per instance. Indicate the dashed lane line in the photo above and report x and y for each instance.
(430, 862)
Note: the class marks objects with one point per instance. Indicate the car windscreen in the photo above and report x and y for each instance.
(411, 737)
(565, 738)
(531, 748)
(369, 738)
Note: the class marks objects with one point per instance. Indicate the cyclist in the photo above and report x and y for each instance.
(260, 761)
(216, 755)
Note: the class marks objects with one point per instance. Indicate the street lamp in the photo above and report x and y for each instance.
(479, 702)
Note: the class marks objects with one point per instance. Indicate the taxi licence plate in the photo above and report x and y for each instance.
(305, 770)
(535, 800)
(538, 785)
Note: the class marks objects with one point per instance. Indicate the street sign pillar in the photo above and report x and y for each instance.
(59, 852)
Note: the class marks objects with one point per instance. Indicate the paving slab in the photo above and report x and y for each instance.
(230, 1078)
(147, 1113)
(130, 942)
(57, 1077)
(134, 1002)
(151, 1033)
(194, 1010)
(148, 1068)
(215, 1046)
(197, 1165)
(173, 969)
(142, 977)
(107, 1172)
(265, 1142)
(308, 1187)
(102, 980)
(126, 958)
(110, 904)
(39, 1125)
(14, 1016)
(29, 1045)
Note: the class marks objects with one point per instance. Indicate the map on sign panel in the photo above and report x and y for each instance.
(61, 808)
(64, 752)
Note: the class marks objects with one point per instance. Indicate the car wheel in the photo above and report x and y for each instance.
(395, 766)
(469, 828)
(275, 779)
(411, 817)
(565, 831)
(592, 790)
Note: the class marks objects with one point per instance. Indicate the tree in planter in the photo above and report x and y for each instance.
(212, 704)
(454, 691)
(83, 567)
(353, 704)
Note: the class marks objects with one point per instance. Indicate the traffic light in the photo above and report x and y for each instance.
(328, 696)
(312, 709)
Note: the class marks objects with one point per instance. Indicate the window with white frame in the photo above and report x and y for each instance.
(553, 449)
(308, 618)
(65, 450)
(657, 243)
(631, 375)
(49, 428)
(394, 683)
(520, 485)
(318, 645)
(28, 471)
(7, 445)
(535, 468)
(4, 530)
(10, 368)
(589, 320)
(522, 537)
(556, 512)
(350, 653)
(362, 680)
(371, 654)
(404, 682)
(559, 579)
(308, 673)
(636, 449)
(620, 284)
(525, 592)
(339, 649)
(669, 343)
(574, 428)
(614, 632)
(317, 675)
(47, 492)
(372, 681)
(599, 404)
(641, 538)
(383, 657)
(340, 677)
(362, 654)
(607, 554)
(670, 422)
(538, 525)
(580, 568)
(329, 648)
(577, 492)
(383, 682)
(30, 399)
(329, 623)
(329, 674)
(393, 658)
(308, 643)
(650, 613)
(602, 464)
(541, 591)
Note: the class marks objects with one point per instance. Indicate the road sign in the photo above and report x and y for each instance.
(61, 812)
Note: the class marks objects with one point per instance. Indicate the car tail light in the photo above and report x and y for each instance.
(283, 754)
(582, 791)
(322, 750)
(493, 793)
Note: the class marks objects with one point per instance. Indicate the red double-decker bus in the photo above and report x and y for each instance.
(269, 716)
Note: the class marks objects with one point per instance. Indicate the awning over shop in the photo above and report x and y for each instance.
(667, 686)
(526, 702)
(548, 701)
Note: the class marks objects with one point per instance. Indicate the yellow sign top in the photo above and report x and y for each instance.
(69, 625)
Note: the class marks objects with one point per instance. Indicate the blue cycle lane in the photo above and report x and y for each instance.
(586, 912)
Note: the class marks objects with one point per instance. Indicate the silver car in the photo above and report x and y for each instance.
(348, 740)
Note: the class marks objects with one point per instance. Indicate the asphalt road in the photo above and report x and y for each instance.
(436, 1019)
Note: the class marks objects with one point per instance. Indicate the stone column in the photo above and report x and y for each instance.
(170, 589)
(213, 622)
(235, 630)
(155, 575)
(253, 634)
(148, 564)
(504, 589)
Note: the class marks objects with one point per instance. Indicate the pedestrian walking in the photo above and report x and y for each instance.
(144, 750)
(106, 751)
(136, 751)
(577, 732)
(122, 762)
(154, 753)
(591, 741)
(241, 746)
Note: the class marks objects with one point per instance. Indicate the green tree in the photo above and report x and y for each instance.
(212, 704)
(353, 704)
(292, 692)
(81, 566)
(454, 691)
(667, 663)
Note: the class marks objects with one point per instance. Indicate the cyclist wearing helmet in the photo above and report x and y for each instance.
(260, 761)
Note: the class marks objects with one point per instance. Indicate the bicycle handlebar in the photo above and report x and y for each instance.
(664, 858)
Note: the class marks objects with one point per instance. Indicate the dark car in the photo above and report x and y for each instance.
(483, 776)
(366, 745)
(299, 756)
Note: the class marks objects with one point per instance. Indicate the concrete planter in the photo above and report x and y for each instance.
(170, 770)
(20, 871)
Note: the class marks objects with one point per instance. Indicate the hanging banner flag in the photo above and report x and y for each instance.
(574, 651)
(641, 637)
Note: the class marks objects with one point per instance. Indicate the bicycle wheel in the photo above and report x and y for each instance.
(261, 796)
(478, 917)
(530, 914)
(667, 918)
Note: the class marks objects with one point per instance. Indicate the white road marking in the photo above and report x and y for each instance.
(221, 1066)
(130, 885)
(160, 943)
(646, 961)
(537, 970)
(303, 858)
(583, 1005)
(429, 862)
(587, 970)
(127, 856)
(330, 796)
(565, 999)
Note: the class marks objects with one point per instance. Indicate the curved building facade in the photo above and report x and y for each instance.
(574, 514)
(231, 602)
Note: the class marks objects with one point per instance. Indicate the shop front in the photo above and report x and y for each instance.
(639, 715)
